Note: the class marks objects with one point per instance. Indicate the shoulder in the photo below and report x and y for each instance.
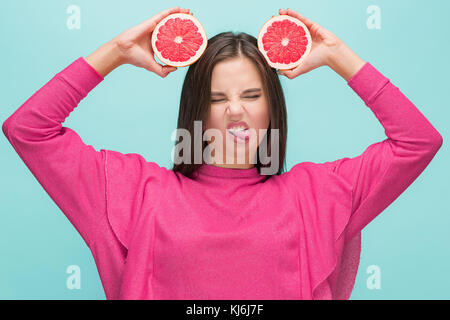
(316, 177)
(133, 186)
(133, 166)
(130, 175)
(304, 170)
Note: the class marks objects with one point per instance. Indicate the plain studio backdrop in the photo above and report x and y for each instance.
(133, 110)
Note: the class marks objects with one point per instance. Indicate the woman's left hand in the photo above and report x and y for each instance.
(327, 49)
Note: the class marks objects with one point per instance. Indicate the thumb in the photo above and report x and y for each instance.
(293, 73)
(168, 69)
(159, 69)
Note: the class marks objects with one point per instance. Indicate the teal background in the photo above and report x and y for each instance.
(134, 110)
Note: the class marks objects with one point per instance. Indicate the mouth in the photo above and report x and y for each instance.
(241, 134)
(239, 130)
(241, 125)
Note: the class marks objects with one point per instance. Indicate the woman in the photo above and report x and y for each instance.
(218, 230)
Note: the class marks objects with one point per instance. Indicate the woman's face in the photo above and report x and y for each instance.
(237, 95)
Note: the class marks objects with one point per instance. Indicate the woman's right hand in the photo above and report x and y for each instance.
(135, 44)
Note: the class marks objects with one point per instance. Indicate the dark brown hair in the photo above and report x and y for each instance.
(195, 95)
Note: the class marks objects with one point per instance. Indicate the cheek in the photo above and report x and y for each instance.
(261, 116)
(212, 119)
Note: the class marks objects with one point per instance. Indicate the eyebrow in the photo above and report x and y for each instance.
(217, 93)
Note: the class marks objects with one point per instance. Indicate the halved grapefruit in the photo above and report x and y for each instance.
(284, 41)
(179, 40)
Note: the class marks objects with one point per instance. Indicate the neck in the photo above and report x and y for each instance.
(230, 163)
(233, 165)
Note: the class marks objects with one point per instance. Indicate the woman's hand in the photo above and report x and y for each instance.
(327, 49)
(135, 44)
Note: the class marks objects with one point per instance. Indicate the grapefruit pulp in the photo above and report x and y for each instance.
(284, 41)
(179, 40)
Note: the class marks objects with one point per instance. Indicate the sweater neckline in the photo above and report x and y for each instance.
(216, 171)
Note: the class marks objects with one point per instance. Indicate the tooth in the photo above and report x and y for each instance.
(238, 128)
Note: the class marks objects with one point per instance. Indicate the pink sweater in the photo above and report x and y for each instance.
(228, 233)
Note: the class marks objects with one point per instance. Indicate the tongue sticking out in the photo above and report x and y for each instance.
(242, 134)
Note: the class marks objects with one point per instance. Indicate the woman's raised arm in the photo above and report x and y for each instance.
(386, 168)
(133, 46)
(71, 172)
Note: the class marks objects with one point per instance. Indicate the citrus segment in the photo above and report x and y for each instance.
(179, 40)
(284, 41)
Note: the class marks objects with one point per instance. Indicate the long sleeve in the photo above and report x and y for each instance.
(385, 169)
(71, 172)
(337, 199)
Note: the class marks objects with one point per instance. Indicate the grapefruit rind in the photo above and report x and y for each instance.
(198, 53)
(263, 30)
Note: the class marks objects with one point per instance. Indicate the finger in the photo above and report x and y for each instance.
(156, 67)
(287, 73)
(293, 73)
(150, 24)
(167, 12)
(159, 69)
(182, 10)
(166, 71)
(309, 23)
(169, 69)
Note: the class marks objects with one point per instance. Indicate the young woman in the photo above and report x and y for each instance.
(217, 230)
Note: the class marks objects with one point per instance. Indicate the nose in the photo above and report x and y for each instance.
(235, 108)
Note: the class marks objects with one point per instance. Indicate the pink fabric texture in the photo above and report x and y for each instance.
(225, 233)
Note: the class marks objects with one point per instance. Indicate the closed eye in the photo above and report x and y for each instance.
(252, 97)
(248, 97)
